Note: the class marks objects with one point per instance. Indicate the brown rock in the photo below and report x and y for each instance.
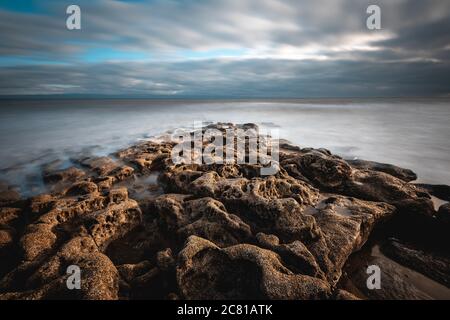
(71, 174)
(240, 272)
(203, 217)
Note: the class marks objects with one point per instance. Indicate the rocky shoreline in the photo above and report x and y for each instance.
(140, 227)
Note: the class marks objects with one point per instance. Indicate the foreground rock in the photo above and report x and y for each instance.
(241, 272)
(218, 231)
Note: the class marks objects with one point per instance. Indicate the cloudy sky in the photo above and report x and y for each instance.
(225, 48)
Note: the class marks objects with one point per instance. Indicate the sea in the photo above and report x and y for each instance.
(411, 133)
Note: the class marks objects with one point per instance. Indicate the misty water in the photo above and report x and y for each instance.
(411, 134)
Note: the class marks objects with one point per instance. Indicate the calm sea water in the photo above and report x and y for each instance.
(412, 134)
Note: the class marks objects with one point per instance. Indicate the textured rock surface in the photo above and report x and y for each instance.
(434, 266)
(401, 173)
(241, 272)
(138, 226)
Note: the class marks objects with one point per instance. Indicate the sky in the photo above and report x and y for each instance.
(225, 48)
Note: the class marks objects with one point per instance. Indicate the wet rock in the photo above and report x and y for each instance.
(106, 218)
(49, 280)
(147, 156)
(243, 271)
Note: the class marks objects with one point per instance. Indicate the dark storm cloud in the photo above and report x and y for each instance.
(228, 48)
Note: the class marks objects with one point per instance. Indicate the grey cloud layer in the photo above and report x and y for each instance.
(281, 42)
(249, 78)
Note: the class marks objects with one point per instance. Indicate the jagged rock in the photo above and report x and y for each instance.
(345, 225)
(242, 271)
(271, 205)
(319, 167)
(295, 255)
(107, 217)
(382, 187)
(113, 222)
(332, 174)
(220, 230)
(400, 173)
(99, 277)
(41, 204)
(203, 217)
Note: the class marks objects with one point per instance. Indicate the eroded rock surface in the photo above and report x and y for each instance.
(210, 231)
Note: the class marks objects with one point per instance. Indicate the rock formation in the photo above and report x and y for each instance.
(217, 231)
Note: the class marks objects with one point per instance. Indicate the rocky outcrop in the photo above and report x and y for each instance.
(400, 173)
(440, 191)
(345, 224)
(71, 231)
(204, 217)
(329, 173)
(215, 231)
(241, 272)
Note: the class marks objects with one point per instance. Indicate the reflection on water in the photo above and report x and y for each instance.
(415, 135)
